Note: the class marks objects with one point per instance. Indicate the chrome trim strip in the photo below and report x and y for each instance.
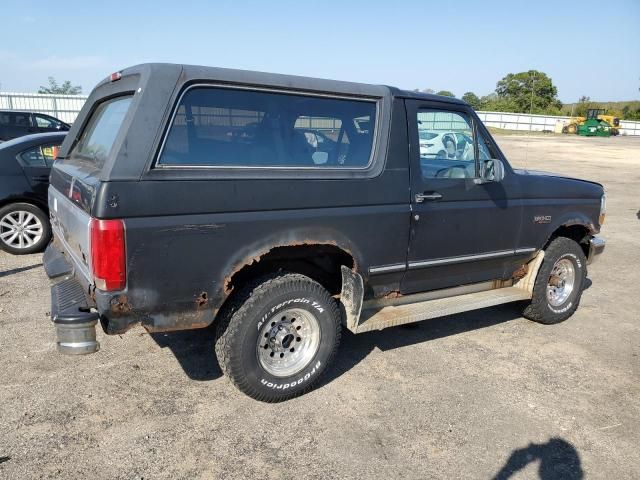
(377, 100)
(448, 260)
(460, 259)
(396, 267)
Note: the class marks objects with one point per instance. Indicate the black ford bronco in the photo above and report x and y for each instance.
(283, 209)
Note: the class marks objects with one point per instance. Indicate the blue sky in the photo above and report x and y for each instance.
(587, 47)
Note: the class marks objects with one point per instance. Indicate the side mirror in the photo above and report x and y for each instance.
(491, 171)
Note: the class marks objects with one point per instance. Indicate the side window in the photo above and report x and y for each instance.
(99, 135)
(446, 144)
(45, 122)
(222, 127)
(485, 150)
(4, 119)
(41, 156)
(20, 120)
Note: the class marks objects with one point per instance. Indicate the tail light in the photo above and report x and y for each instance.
(108, 254)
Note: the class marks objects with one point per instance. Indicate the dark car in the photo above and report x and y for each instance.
(284, 208)
(15, 124)
(25, 164)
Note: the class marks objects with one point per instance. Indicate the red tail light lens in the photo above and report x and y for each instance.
(108, 254)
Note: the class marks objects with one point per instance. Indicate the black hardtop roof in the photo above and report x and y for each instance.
(195, 73)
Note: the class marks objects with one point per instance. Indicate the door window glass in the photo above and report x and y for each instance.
(20, 119)
(45, 122)
(485, 151)
(446, 144)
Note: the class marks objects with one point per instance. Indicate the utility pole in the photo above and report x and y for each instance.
(533, 86)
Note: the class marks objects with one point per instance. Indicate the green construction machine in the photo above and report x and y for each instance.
(594, 126)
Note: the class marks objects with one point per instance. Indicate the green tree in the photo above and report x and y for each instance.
(585, 104)
(65, 89)
(473, 100)
(445, 93)
(531, 90)
(493, 103)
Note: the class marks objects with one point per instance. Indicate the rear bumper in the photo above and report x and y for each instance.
(74, 320)
(110, 308)
(596, 247)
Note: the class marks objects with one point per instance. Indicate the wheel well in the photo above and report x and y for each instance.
(30, 201)
(321, 262)
(577, 233)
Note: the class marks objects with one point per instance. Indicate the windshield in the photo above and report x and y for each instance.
(101, 130)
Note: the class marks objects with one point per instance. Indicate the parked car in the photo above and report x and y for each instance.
(15, 124)
(432, 143)
(25, 164)
(185, 196)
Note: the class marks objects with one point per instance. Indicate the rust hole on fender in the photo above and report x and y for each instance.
(120, 304)
(520, 272)
(202, 300)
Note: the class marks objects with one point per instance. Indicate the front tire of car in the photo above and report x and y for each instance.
(24, 229)
(559, 283)
(276, 337)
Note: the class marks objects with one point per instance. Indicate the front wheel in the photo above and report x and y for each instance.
(559, 283)
(277, 337)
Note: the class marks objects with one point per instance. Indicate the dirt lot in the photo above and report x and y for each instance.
(477, 395)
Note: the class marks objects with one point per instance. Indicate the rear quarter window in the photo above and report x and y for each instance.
(40, 156)
(226, 127)
(98, 136)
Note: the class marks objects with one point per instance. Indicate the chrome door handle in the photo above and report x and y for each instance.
(421, 197)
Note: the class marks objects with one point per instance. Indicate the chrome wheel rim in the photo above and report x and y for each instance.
(288, 341)
(561, 282)
(20, 229)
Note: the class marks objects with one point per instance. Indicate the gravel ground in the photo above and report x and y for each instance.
(476, 395)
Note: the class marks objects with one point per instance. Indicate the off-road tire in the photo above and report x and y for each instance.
(540, 309)
(41, 217)
(239, 327)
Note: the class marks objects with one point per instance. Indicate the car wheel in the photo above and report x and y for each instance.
(276, 338)
(559, 284)
(24, 228)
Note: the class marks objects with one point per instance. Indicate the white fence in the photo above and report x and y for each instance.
(539, 123)
(66, 108)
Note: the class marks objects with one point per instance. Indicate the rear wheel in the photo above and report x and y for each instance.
(276, 337)
(559, 284)
(24, 228)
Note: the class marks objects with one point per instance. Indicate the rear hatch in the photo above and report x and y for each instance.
(110, 141)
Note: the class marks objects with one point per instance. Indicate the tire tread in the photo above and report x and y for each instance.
(234, 315)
